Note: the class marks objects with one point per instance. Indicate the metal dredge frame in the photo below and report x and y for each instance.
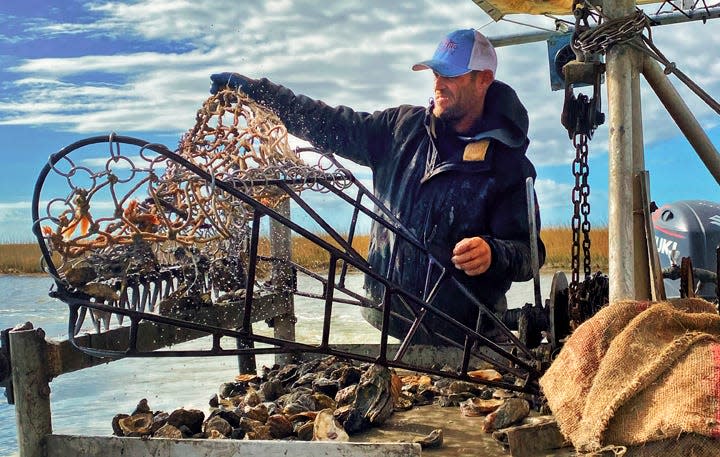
(139, 293)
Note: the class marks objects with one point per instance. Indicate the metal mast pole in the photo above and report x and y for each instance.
(621, 67)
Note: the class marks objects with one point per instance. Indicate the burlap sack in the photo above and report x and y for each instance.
(685, 445)
(636, 373)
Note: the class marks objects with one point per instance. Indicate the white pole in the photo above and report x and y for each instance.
(620, 109)
(282, 276)
(643, 290)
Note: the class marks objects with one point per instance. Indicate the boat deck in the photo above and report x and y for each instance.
(463, 436)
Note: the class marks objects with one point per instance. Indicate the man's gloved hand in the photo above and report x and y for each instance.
(232, 80)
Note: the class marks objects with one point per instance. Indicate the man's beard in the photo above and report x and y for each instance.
(449, 115)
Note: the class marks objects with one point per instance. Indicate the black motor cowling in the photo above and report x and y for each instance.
(689, 228)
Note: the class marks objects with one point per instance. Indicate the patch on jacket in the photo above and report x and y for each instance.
(476, 150)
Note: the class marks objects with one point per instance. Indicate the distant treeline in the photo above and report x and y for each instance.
(24, 258)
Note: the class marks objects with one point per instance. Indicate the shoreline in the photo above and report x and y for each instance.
(21, 259)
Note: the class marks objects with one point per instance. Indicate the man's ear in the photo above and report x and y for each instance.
(487, 76)
(483, 79)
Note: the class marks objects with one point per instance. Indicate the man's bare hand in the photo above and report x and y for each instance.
(472, 255)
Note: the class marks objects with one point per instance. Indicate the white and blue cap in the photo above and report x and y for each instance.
(462, 51)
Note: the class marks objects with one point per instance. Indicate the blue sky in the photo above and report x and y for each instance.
(75, 69)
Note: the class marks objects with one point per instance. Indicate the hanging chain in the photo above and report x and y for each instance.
(581, 206)
(581, 116)
(580, 225)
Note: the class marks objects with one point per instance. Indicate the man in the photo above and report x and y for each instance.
(453, 173)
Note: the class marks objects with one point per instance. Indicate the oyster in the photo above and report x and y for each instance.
(78, 276)
(252, 399)
(373, 396)
(168, 431)
(511, 412)
(117, 430)
(272, 390)
(326, 428)
(432, 440)
(136, 425)
(346, 395)
(101, 292)
(257, 412)
(216, 435)
(247, 378)
(142, 407)
(305, 431)
(280, 426)
(485, 375)
(411, 381)
(192, 419)
(473, 407)
(217, 424)
(322, 401)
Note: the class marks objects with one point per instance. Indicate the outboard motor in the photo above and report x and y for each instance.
(689, 228)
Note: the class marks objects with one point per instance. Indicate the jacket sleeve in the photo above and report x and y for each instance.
(510, 239)
(358, 136)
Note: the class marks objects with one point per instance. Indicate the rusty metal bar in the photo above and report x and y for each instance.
(656, 277)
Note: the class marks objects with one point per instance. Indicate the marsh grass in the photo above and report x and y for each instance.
(24, 258)
(558, 247)
(20, 258)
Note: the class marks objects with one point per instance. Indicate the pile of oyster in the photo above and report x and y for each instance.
(326, 399)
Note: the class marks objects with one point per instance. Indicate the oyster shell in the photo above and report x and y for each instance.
(280, 426)
(373, 397)
(117, 430)
(136, 425)
(217, 424)
(485, 375)
(168, 431)
(190, 418)
(511, 412)
(432, 440)
(78, 276)
(346, 395)
(474, 407)
(101, 292)
(326, 428)
(305, 431)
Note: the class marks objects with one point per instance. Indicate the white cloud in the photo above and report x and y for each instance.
(355, 54)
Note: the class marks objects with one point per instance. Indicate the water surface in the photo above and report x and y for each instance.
(84, 402)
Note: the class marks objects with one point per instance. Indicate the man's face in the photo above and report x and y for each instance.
(461, 97)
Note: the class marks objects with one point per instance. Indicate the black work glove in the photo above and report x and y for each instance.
(228, 79)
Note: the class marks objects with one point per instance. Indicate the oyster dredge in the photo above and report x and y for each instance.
(197, 245)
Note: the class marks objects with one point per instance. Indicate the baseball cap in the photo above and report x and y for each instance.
(462, 51)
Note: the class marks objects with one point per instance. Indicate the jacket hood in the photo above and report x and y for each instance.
(505, 118)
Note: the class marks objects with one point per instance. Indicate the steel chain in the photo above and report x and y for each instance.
(584, 116)
(612, 31)
(580, 221)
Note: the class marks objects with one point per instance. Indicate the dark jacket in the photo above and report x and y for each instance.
(440, 188)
